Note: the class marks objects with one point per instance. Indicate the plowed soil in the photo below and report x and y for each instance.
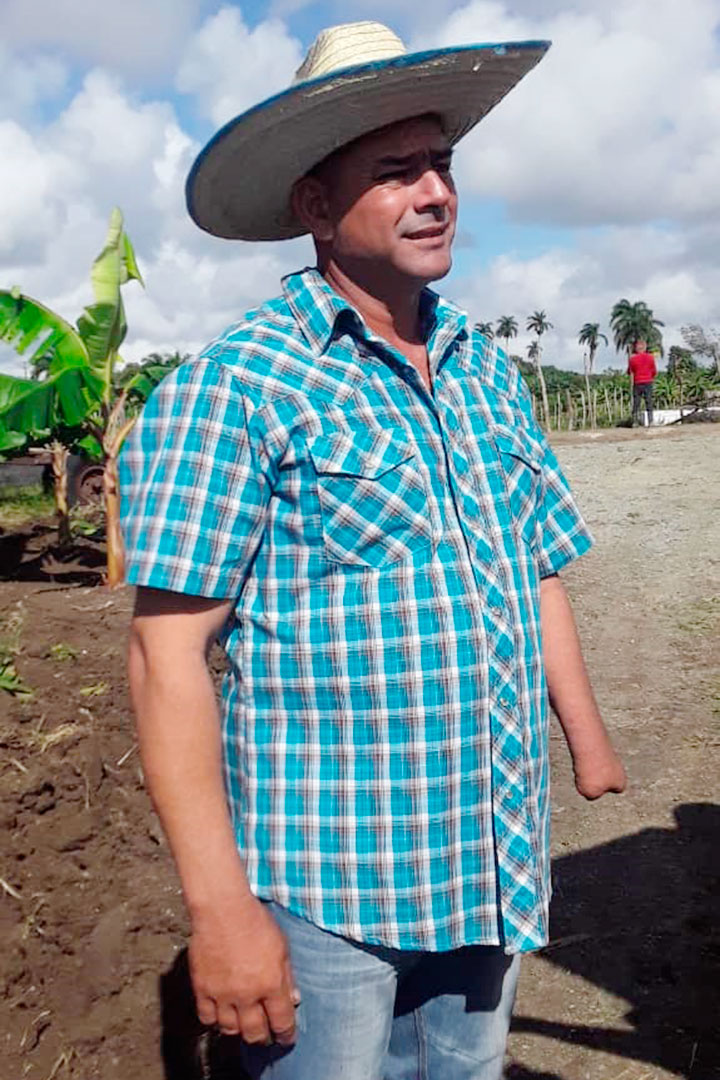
(92, 976)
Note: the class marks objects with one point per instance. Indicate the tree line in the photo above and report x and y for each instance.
(568, 398)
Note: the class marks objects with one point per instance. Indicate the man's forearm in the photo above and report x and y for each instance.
(180, 745)
(597, 767)
(239, 962)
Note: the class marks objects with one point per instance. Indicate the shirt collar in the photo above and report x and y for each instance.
(320, 311)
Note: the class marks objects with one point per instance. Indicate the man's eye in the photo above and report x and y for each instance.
(397, 174)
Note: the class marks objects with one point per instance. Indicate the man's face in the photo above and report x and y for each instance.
(641, 346)
(392, 205)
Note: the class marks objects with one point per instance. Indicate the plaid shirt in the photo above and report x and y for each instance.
(385, 713)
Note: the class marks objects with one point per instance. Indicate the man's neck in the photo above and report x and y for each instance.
(393, 312)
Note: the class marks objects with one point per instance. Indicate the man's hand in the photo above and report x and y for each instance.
(598, 771)
(241, 974)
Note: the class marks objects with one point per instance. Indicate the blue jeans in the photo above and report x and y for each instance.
(372, 1013)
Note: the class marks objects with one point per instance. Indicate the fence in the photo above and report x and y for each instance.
(576, 410)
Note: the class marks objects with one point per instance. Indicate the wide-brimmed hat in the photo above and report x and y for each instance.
(355, 79)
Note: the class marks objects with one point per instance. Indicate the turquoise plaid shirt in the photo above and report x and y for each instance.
(385, 712)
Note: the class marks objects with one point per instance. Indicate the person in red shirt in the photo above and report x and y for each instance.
(642, 370)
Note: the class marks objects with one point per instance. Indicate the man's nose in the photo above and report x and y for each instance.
(433, 189)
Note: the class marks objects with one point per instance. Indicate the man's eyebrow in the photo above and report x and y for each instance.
(445, 152)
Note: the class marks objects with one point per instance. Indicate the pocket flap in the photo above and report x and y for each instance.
(360, 453)
(518, 444)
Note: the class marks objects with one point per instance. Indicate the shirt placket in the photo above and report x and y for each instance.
(476, 507)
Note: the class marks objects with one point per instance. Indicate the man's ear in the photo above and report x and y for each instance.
(310, 205)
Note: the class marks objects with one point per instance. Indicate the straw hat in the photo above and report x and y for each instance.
(355, 78)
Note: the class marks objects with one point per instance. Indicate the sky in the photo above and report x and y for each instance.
(597, 178)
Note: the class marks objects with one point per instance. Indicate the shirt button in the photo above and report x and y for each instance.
(498, 612)
(507, 701)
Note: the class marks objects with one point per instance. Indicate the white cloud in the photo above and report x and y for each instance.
(579, 285)
(28, 81)
(108, 147)
(228, 67)
(620, 121)
(189, 300)
(139, 38)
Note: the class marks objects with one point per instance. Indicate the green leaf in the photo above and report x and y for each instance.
(132, 272)
(27, 407)
(91, 447)
(143, 382)
(11, 682)
(103, 325)
(26, 323)
(11, 440)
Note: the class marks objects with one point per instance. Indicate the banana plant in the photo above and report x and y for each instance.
(79, 388)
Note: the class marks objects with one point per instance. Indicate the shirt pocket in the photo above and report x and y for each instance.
(373, 499)
(521, 461)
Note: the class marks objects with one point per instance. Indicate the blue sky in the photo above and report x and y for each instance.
(596, 178)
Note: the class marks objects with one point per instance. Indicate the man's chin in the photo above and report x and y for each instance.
(432, 268)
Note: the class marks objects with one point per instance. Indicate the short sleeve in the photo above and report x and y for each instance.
(193, 496)
(561, 532)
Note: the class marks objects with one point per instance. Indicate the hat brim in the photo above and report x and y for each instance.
(239, 187)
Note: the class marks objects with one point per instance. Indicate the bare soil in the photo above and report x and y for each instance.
(92, 976)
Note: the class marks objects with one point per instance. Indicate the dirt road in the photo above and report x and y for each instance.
(631, 987)
(91, 974)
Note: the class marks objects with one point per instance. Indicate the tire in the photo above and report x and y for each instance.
(85, 483)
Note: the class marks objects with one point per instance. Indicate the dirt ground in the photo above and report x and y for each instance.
(92, 977)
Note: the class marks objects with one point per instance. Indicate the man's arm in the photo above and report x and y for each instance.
(238, 957)
(597, 767)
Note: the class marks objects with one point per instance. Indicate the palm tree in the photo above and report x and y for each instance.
(538, 324)
(590, 335)
(634, 322)
(507, 328)
(486, 329)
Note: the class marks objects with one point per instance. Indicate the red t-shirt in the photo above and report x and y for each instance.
(642, 366)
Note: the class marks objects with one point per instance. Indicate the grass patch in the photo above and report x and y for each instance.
(62, 652)
(24, 505)
(10, 634)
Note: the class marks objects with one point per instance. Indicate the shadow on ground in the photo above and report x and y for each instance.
(639, 917)
(33, 554)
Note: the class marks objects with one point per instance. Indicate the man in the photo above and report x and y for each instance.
(642, 370)
(349, 489)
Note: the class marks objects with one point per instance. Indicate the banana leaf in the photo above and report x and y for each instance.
(27, 324)
(142, 383)
(29, 408)
(10, 440)
(102, 325)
